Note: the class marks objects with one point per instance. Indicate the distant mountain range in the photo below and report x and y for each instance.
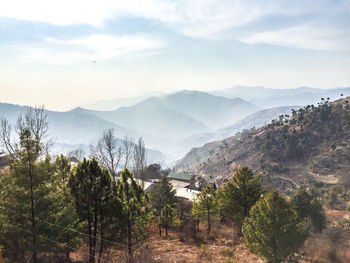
(113, 104)
(162, 121)
(268, 98)
(172, 124)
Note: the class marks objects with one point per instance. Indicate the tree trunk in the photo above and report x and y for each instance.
(166, 230)
(67, 259)
(101, 247)
(34, 256)
(129, 243)
(101, 235)
(94, 236)
(90, 238)
(209, 227)
(233, 231)
(160, 230)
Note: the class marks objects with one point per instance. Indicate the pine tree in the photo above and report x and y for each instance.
(29, 187)
(237, 196)
(301, 203)
(135, 216)
(22, 202)
(333, 196)
(317, 215)
(92, 189)
(272, 230)
(62, 209)
(167, 217)
(162, 195)
(205, 205)
(31, 195)
(309, 209)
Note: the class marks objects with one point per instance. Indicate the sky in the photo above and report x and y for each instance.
(68, 53)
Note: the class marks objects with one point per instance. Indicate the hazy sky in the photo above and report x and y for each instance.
(47, 47)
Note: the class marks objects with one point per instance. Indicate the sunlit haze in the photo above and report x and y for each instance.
(69, 53)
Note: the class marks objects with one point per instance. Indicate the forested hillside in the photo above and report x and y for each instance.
(311, 144)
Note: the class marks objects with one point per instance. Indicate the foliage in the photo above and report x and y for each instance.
(162, 195)
(53, 208)
(92, 189)
(309, 208)
(237, 196)
(272, 229)
(205, 205)
(135, 216)
(300, 202)
(27, 192)
(167, 217)
(310, 126)
(334, 196)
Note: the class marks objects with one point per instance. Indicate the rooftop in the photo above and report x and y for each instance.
(181, 176)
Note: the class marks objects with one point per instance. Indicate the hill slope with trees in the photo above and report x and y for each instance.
(312, 144)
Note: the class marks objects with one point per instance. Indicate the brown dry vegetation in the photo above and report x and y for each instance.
(191, 245)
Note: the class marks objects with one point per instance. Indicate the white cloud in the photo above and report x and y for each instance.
(93, 47)
(192, 17)
(91, 12)
(210, 19)
(302, 37)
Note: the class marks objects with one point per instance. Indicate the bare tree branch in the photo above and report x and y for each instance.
(107, 152)
(76, 153)
(35, 121)
(5, 137)
(128, 150)
(140, 159)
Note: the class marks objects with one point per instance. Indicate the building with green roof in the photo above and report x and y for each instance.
(181, 176)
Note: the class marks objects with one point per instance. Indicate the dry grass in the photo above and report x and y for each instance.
(333, 244)
(203, 247)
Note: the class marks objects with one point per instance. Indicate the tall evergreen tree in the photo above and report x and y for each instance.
(28, 186)
(272, 230)
(205, 205)
(167, 217)
(62, 210)
(92, 189)
(135, 216)
(309, 209)
(162, 195)
(22, 201)
(237, 196)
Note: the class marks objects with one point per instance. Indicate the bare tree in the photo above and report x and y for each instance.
(6, 138)
(140, 159)
(128, 150)
(76, 153)
(36, 122)
(107, 152)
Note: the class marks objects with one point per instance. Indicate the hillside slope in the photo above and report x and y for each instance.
(313, 144)
(256, 119)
